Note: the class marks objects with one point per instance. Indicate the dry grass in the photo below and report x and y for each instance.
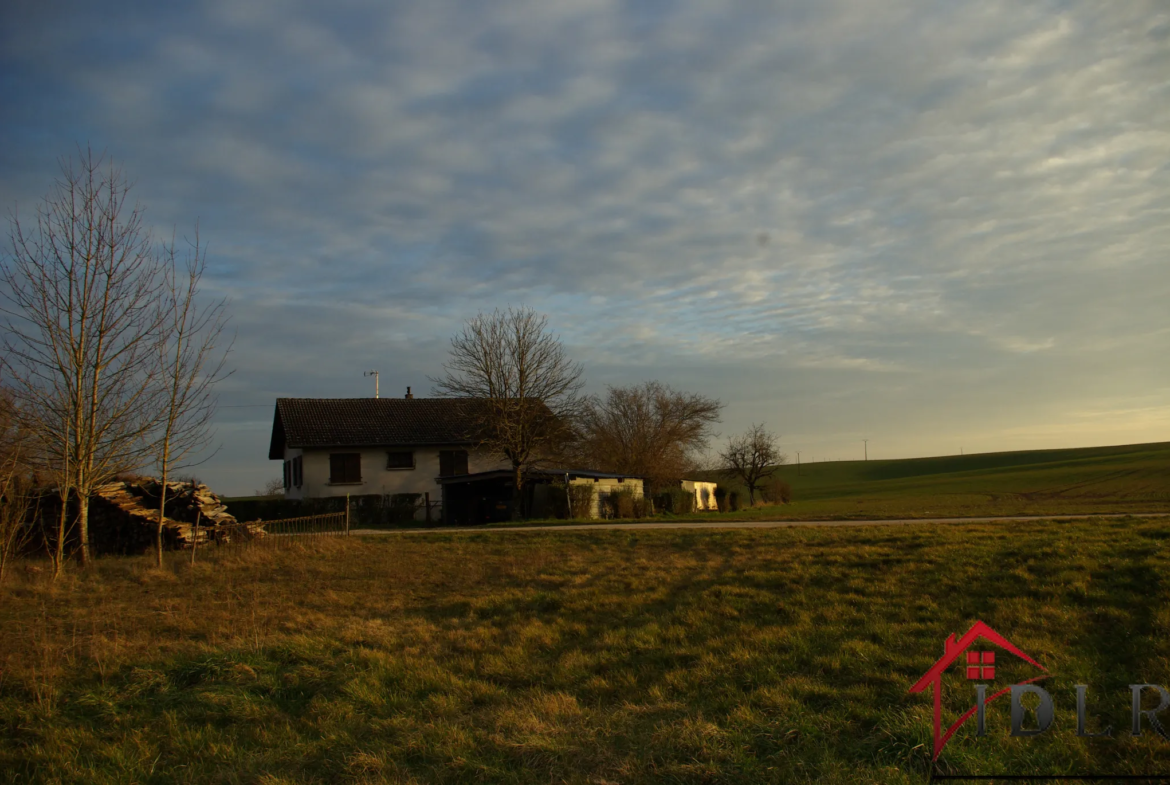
(763, 656)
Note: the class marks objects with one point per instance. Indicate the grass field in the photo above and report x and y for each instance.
(1130, 479)
(779, 656)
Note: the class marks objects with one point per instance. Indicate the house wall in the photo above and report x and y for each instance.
(376, 478)
(704, 493)
(607, 485)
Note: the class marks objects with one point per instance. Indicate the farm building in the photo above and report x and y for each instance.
(373, 446)
(704, 493)
(487, 497)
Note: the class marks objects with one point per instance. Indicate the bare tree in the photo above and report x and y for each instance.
(520, 387)
(752, 457)
(189, 365)
(648, 430)
(274, 487)
(81, 288)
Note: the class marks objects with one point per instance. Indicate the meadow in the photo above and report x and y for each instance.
(780, 655)
(1127, 479)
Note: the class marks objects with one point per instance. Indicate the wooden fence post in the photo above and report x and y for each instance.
(195, 533)
(347, 515)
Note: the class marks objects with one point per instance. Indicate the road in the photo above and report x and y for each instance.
(585, 527)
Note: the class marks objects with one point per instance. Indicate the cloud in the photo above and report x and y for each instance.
(944, 191)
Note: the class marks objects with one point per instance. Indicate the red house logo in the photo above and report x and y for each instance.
(977, 665)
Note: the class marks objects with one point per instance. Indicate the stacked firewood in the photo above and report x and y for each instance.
(123, 517)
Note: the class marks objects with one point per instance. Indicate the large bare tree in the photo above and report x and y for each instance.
(190, 362)
(82, 285)
(752, 457)
(647, 430)
(519, 386)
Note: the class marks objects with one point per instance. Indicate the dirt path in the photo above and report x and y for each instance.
(578, 527)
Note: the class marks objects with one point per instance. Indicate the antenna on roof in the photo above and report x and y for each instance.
(375, 375)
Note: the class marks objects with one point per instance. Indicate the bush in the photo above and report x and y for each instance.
(401, 507)
(776, 491)
(622, 503)
(721, 498)
(733, 501)
(581, 497)
(675, 501)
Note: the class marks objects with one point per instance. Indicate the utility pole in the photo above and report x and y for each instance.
(375, 375)
(866, 442)
(798, 463)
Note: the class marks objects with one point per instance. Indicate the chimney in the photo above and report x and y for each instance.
(409, 394)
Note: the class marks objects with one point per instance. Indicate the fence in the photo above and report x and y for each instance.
(278, 534)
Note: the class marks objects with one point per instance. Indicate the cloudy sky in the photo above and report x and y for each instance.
(932, 225)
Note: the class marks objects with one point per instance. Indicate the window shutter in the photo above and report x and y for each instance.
(345, 467)
(452, 462)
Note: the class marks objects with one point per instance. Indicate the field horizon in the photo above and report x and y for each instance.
(1132, 478)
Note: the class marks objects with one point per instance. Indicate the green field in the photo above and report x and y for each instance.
(775, 656)
(1131, 479)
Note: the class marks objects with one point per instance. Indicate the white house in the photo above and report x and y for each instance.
(366, 446)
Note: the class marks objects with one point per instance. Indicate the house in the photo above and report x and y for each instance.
(373, 446)
(486, 497)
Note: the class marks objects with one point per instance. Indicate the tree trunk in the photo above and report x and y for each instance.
(83, 526)
(58, 553)
(517, 493)
(162, 507)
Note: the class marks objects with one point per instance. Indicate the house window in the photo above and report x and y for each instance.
(298, 471)
(452, 462)
(345, 467)
(400, 460)
(981, 665)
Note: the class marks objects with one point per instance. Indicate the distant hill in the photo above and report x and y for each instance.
(1127, 478)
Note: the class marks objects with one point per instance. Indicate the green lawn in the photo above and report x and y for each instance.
(778, 655)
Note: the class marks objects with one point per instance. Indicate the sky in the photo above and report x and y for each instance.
(935, 226)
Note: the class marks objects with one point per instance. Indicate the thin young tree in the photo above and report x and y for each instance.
(189, 364)
(17, 494)
(81, 287)
(752, 457)
(647, 430)
(519, 386)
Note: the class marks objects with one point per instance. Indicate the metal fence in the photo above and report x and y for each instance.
(277, 534)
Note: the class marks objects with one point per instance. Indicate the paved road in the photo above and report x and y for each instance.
(713, 524)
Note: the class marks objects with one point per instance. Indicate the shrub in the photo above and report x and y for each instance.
(622, 503)
(581, 497)
(776, 491)
(558, 500)
(401, 507)
(733, 501)
(721, 498)
(676, 501)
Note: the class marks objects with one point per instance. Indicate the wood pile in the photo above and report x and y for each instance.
(123, 517)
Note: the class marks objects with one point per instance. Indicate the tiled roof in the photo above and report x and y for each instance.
(367, 422)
